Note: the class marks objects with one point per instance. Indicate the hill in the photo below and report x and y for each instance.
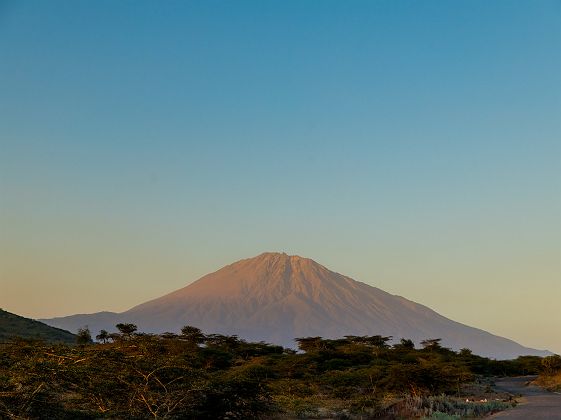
(276, 297)
(12, 325)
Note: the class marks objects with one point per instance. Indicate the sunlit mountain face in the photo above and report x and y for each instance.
(275, 297)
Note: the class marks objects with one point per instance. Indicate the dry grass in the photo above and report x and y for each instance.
(550, 382)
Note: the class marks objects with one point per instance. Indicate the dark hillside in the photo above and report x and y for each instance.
(12, 325)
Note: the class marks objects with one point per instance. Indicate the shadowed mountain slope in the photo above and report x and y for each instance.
(12, 326)
(276, 297)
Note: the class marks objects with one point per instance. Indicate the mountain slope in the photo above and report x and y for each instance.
(12, 325)
(276, 297)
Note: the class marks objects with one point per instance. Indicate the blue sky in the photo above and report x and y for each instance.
(412, 145)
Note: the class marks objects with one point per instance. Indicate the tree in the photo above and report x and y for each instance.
(405, 344)
(372, 341)
(84, 336)
(310, 344)
(127, 330)
(193, 334)
(103, 336)
(230, 343)
(465, 352)
(551, 364)
(431, 344)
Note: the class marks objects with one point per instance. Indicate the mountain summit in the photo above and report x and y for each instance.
(276, 297)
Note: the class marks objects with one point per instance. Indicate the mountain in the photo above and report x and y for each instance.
(276, 297)
(12, 325)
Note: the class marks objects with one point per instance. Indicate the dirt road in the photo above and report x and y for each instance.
(536, 403)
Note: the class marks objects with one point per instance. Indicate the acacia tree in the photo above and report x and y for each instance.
(431, 344)
(465, 352)
(193, 334)
(311, 344)
(83, 336)
(103, 336)
(405, 343)
(126, 330)
(371, 340)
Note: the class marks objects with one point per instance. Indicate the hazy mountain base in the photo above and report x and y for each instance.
(219, 377)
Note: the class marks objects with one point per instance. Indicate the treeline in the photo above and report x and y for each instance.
(211, 376)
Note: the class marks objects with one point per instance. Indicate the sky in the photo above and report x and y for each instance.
(412, 145)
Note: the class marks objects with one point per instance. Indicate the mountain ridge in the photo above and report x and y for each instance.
(276, 297)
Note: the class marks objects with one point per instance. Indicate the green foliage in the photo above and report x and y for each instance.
(198, 376)
(550, 375)
(551, 364)
(437, 415)
(12, 326)
(405, 344)
(83, 336)
(192, 334)
(103, 336)
(126, 330)
(431, 344)
(445, 407)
